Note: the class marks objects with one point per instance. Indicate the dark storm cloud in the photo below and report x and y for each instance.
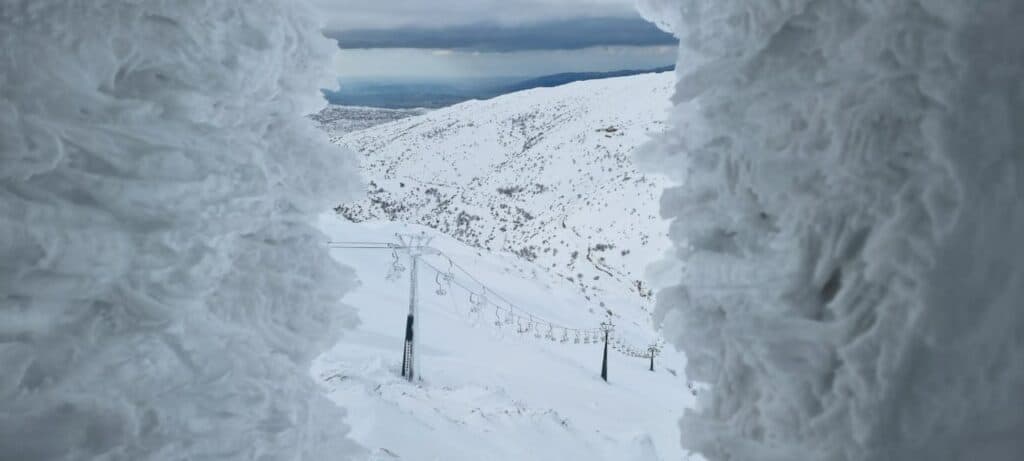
(552, 35)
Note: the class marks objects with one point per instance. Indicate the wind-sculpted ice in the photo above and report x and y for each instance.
(852, 217)
(161, 290)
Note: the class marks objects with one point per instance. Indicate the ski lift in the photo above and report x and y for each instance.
(478, 301)
(396, 270)
(444, 283)
(497, 316)
(521, 329)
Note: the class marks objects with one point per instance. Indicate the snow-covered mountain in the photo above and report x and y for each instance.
(536, 195)
(545, 174)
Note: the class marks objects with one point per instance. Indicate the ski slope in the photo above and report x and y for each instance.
(487, 392)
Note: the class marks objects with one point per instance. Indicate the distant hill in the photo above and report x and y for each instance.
(433, 94)
(342, 120)
(414, 94)
(548, 81)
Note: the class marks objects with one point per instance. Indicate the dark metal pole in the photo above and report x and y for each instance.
(604, 362)
(407, 350)
(408, 359)
(653, 350)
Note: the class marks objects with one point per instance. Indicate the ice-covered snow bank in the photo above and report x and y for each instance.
(852, 220)
(161, 290)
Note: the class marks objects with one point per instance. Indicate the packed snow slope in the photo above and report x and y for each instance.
(162, 292)
(852, 193)
(488, 392)
(546, 174)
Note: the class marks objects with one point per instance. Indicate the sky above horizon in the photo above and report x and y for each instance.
(458, 39)
(395, 14)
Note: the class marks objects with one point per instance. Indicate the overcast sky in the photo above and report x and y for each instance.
(389, 14)
(450, 39)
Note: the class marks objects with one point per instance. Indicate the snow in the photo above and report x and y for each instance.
(543, 173)
(849, 222)
(162, 291)
(468, 175)
(342, 120)
(844, 183)
(487, 392)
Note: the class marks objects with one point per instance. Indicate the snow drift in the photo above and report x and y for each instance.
(852, 220)
(161, 290)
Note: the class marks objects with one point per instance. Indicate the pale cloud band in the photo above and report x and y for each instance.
(398, 63)
(390, 14)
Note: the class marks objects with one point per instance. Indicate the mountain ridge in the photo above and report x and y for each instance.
(437, 94)
(547, 81)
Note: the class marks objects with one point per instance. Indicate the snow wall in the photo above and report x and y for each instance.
(851, 219)
(161, 293)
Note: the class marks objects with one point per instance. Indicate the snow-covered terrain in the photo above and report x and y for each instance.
(342, 120)
(488, 392)
(844, 179)
(851, 216)
(545, 173)
(538, 196)
(162, 291)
